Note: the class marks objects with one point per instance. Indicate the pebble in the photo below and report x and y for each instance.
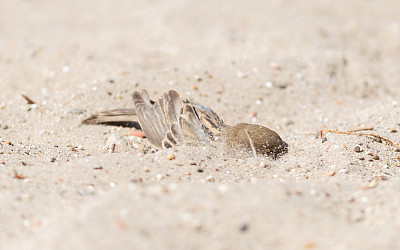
(170, 156)
(331, 173)
(146, 169)
(241, 74)
(112, 141)
(358, 149)
(253, 114)
(373, 183)
(65, 69)
(275, 66)
(210, 178)
(198, 78)
(375, 157)
(140, 134)
(244, 227)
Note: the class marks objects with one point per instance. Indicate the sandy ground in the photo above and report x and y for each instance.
(294, 66)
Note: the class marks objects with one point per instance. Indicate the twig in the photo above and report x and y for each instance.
(360, 129)
(29, 100)
(251, 143)
(353, 132)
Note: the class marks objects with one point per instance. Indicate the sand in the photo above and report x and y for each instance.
(296, 67)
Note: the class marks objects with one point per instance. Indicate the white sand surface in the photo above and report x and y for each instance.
(294, 66)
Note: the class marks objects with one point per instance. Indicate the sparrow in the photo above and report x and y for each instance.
(171, 121)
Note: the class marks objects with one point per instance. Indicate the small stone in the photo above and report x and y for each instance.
(253, 114)
(297, 192)
(194, 87)
(146, 169)
(379, 140)
(358, 149)
(198, 78)
(241, 74)
(375, 157)
(97, 166)
(282, 85)
(65, 69)
(210, 178)
(275, 66)
(331, 173)
(170, 156)
(200, 170)
(373, 183)
(244, 227)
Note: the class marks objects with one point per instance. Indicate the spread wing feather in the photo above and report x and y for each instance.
(159, 120)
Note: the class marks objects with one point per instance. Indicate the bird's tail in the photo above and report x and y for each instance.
(115, 117)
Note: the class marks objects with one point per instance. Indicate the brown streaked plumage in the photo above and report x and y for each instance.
(171, 121)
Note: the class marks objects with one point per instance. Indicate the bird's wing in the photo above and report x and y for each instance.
(211, 122)
(115, 117)
(159, 120)
(189, 123)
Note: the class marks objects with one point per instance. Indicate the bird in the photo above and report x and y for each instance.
(171, 121)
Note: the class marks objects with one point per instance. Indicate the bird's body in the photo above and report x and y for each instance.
(170, 121)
